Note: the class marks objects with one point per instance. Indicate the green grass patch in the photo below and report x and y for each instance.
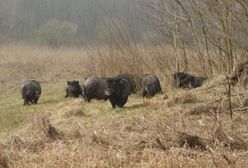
(14, 115)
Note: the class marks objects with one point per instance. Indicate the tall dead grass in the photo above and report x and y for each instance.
(22, 62)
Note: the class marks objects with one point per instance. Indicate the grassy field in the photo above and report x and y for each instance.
(178, 128)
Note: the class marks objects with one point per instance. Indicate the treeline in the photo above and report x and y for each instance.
(213, 31)
(22, 19)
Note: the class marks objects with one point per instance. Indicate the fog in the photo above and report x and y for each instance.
(21, 19)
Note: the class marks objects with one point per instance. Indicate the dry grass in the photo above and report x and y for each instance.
(21, 62)
(191, 128)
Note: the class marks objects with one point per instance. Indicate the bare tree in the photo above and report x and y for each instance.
(217, 29)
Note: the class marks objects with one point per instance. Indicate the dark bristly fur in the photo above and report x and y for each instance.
(73, 89)
(185, 80)
(130, 80)
(94, 88)
(118, 91)
(150, 85)
(31, 91)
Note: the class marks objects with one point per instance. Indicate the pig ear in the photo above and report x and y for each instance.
(77, 82)
(68, 82)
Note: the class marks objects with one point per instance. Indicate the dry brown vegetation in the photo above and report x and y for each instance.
(203, 127)
(22, 62)
(189, 128)
(207, 26)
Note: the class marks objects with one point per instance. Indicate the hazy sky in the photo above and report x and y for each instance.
(20, 19)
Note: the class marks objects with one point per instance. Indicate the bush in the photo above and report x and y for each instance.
(55, 33)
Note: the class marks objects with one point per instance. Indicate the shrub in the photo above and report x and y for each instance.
(56, 33)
